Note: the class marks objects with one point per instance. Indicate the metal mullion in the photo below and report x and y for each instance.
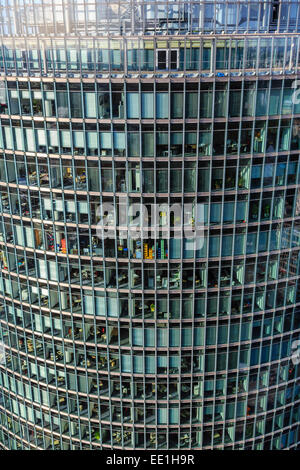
(10, 189)
(297, 44)
(41, 55)
(51, 59)
(3, 86)
(287, 51)
(272, 54)
(13, 40)
(109, 39)
(228, 324)
(4, 61)
(55, 90)
(53, 205)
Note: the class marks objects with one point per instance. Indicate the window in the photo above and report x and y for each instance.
(167, 59)
(161, 62)
(173, 60)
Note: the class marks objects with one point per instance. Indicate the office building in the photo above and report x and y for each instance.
(120, 328)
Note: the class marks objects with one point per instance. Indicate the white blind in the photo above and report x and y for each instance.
(90, 105)
(53, 138)
(105, 139)
(19, 139)
(147, 105)
(133, 105)
(119, 140)
(65, 138)
(41, 137)
(92, 141)
(8, 138)
(78, 138)
(30, 140)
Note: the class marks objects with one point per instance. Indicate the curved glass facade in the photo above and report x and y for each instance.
(117, 329)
